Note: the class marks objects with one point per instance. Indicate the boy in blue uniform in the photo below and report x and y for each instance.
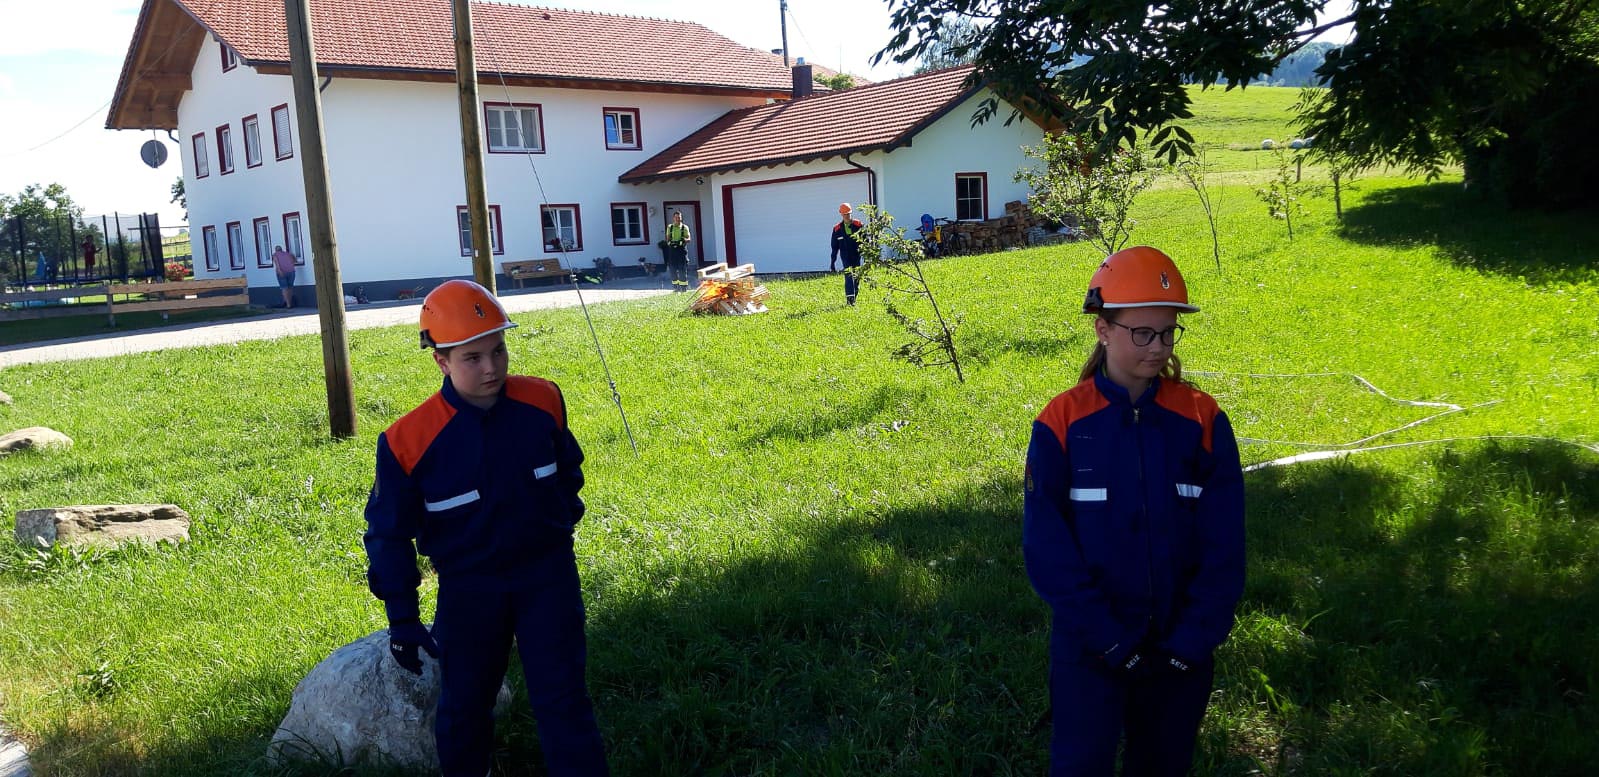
(1133, 533)
(483, 479)
(846, 245)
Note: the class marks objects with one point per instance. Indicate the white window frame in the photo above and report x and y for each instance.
(263, 241)
(208, 242)
(526, 123)
(639, 230)
(225, 149)
(202, 157)
(614, 120)
(463, 230)
(981, 199)
(293, 241)
(235, 245)
(252, 140)
(230, 60)
(566, 221)
(282, 133)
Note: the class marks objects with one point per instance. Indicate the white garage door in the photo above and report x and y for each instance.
(785, 226)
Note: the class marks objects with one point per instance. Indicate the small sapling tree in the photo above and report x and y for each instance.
(893, 262)
(1283, 194)
(1195, 171)
(1077, 181)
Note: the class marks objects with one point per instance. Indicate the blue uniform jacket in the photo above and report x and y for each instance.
(1133, 522)
(846, 245)
(479, 492)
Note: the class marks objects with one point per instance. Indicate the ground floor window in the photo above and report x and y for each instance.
(563, 227)
(627, 224)
(208, 240)
(971, 196)
(463, 230)
(235, 246)
(291, 238)
(263, 241)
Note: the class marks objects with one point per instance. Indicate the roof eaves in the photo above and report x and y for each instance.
(753, 164)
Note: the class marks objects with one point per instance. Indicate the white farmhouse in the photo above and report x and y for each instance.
(597, 127)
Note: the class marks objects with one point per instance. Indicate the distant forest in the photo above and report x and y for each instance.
(1299, 69)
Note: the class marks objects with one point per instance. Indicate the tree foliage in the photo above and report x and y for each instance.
(1078, 184)
(956, 44)
(837, 82)
(1508, 87)
(49, 217)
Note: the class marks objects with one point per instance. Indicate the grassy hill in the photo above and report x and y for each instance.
(813, 565)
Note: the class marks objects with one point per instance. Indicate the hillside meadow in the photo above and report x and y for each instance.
(813, 564)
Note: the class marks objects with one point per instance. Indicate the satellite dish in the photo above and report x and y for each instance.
(153, 152)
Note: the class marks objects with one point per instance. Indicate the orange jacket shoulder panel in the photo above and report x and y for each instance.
(410, 436)
(538, 392)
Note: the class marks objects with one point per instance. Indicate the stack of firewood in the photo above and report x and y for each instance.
(1008, 231)
(729, 291)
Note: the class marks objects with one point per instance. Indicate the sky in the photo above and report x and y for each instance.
(59, 63)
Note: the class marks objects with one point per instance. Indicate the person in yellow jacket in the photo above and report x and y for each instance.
(677, 239)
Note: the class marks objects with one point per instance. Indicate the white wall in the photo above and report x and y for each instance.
(394, 154)
(820, 219)
(271, 190)
(921, 178)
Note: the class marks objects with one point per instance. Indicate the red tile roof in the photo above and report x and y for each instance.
(867, 118)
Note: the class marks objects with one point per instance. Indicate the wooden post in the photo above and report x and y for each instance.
(319, 207)
(477, 199)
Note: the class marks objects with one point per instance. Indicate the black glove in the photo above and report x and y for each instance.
(1125, 663)
(1170, 664)
(404, 638)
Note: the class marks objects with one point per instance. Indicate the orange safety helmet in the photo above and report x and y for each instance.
(458, 312)
(1137, 277)
(844, 209)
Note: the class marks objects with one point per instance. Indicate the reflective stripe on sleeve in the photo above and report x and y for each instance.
(544, 471)
(1089, 494)
(454, 501)
(1185, 489)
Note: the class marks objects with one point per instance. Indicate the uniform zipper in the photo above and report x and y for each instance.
(1143, 517)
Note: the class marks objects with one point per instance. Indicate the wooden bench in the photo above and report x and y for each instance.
(164, 297)
(532, 268)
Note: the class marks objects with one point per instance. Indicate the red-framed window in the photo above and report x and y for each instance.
(230, 60)
(293, 240)
(252, 140)
(463, 230)
(225, 149)
(208, 242)
(514, 128)
(971, 196)
(562, 226)
(202, 158)
(622, 132)
(235, 246)
(282, 132)
(263, 241)
(630, 225)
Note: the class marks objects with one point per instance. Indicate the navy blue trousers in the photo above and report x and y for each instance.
(851, 283)
(542, 607)
(1159, 715)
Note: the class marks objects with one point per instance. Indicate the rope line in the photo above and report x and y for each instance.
(544, 200)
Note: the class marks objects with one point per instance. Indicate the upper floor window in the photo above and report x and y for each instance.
(230, 60)
(463, 228)
(225, 149)
(282, 140)
(971, 196)
(514, 127)
(252, 141)
(621, 129)
(202, 160)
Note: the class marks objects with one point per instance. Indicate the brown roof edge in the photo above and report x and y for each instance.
(127, 65)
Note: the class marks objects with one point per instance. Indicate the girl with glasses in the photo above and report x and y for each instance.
(1133, 533)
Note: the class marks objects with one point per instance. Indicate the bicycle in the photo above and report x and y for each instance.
(945, 238)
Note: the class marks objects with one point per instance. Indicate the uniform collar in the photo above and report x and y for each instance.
(1117, 395)
(459, 402)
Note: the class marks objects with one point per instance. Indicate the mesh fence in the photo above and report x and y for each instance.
(60, 249)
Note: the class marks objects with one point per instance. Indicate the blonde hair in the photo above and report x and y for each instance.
(1173, 371)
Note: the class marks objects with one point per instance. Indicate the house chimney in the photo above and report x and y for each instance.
(804, 84)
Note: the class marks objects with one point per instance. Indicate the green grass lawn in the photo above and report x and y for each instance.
(813, 565)
(43, 329)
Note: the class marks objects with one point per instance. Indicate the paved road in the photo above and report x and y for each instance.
(297, 322)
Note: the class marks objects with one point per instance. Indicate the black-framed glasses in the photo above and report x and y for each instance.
(1143, 335)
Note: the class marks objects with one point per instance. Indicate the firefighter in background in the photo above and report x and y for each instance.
(1133, 533)
(483, 479)
(846, 245)
(677, 239)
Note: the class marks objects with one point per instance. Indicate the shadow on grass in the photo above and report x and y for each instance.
(834, 413)
(1428, 622)
(1540, 247)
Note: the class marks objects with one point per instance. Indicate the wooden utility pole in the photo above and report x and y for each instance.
(477, 199)
(319, 207)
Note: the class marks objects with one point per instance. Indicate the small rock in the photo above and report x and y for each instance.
(5, 399)
(40, 437)
(359, 707)
(105, 525)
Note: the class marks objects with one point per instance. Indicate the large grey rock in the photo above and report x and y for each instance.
(359, 707)
(13, 757)
(104, 525)
(33, 437)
